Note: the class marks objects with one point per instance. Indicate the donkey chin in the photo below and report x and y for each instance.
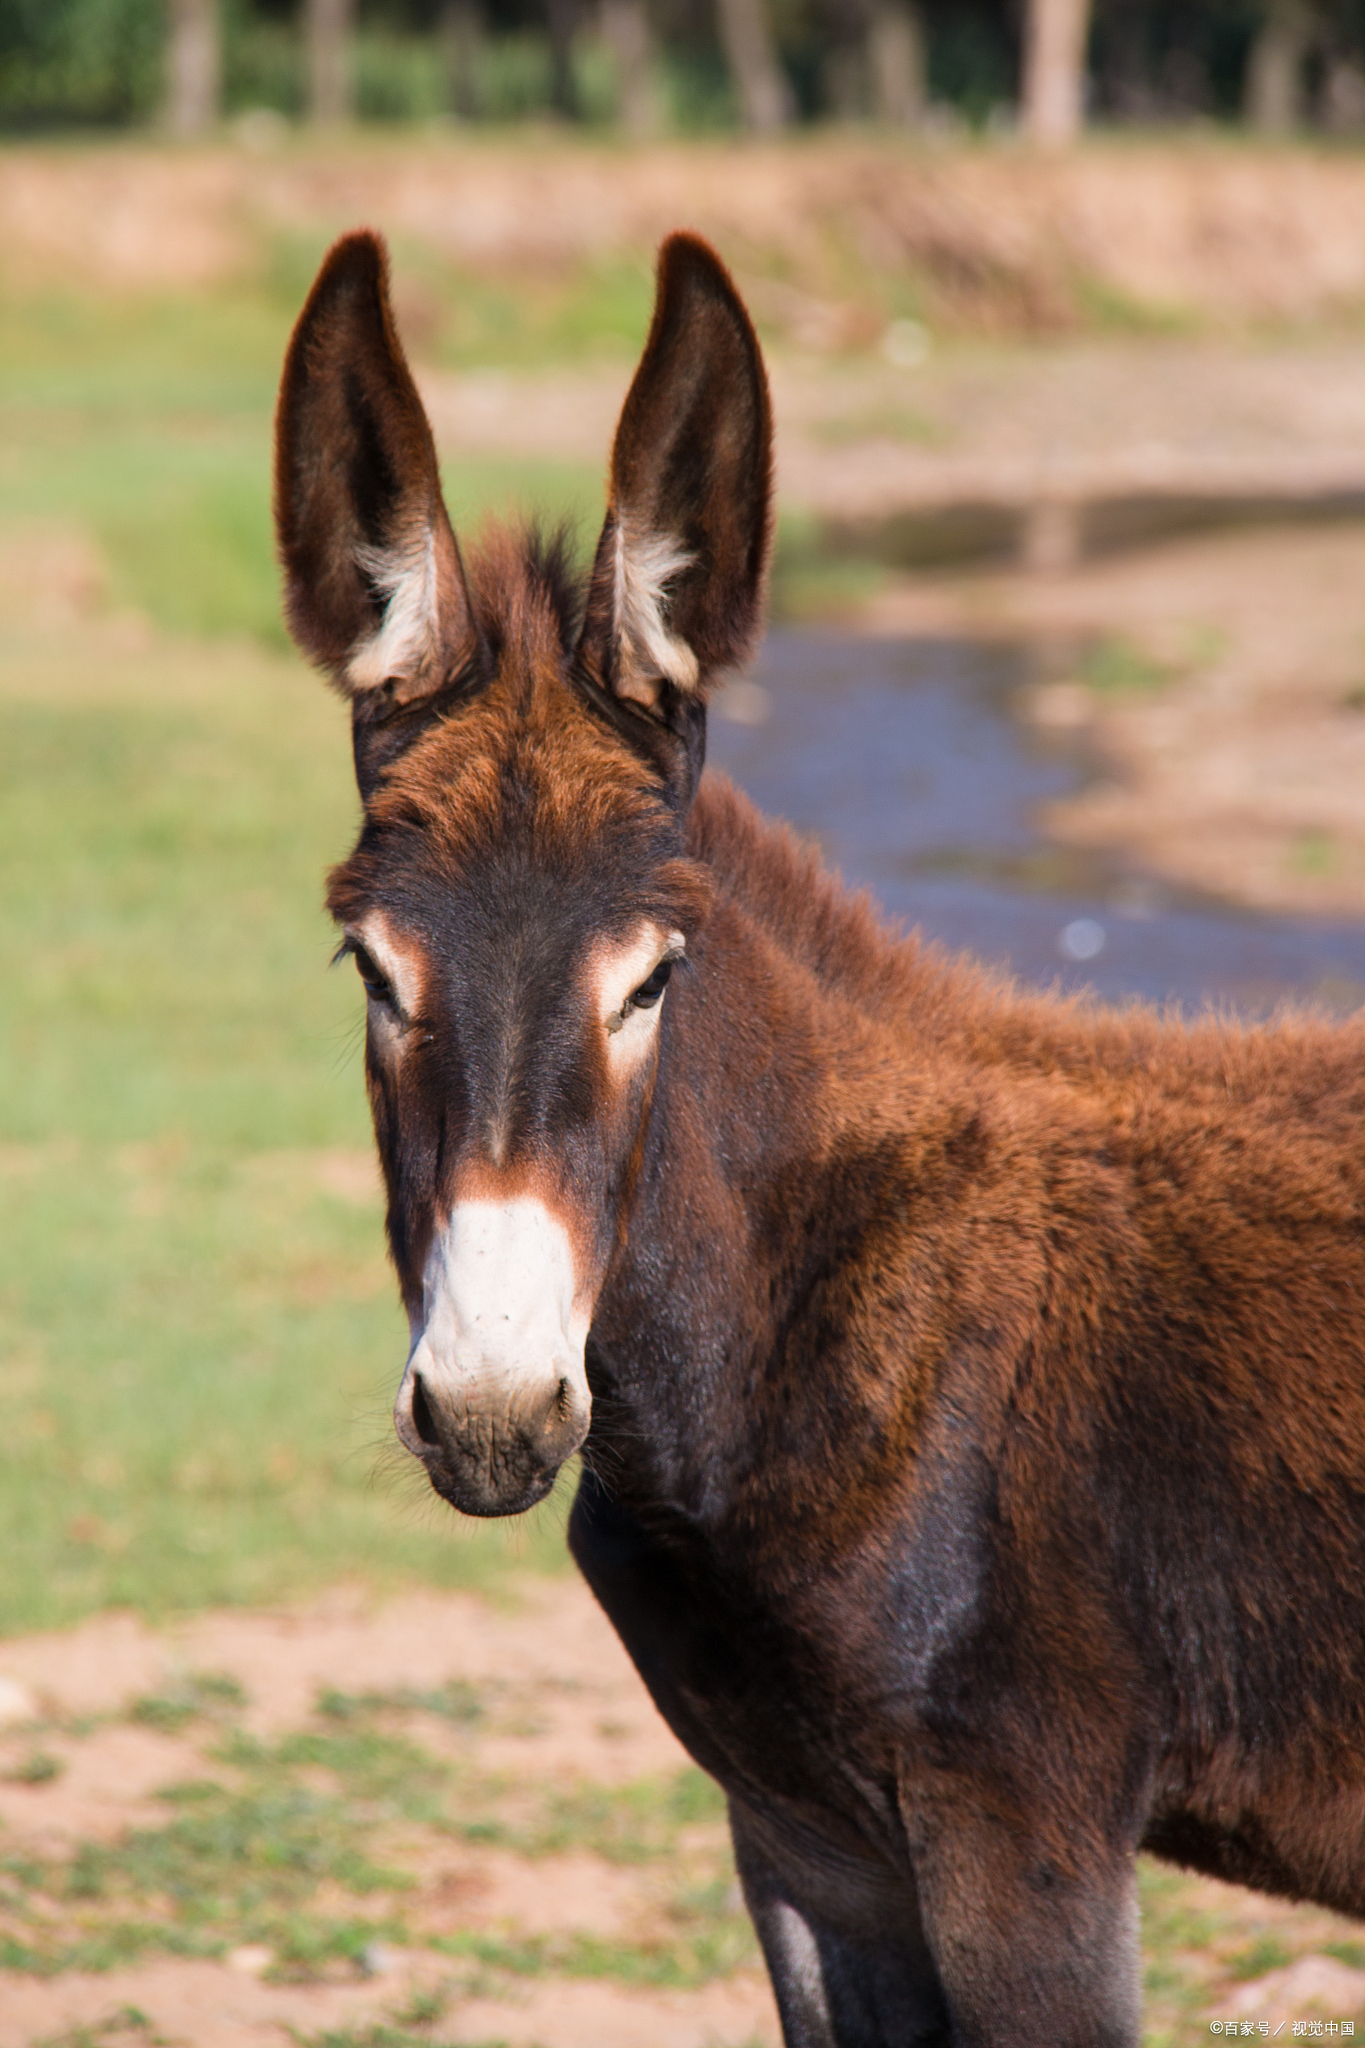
(488, 1456)
(495, 1396)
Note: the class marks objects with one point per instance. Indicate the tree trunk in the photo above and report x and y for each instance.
(764, 95)
(1343, 96)
(895, 49)
(626, 33)
(328, 28)
(1274, 81)
(1054, 70)
(193, 67)
(562, 17)
(462, 35)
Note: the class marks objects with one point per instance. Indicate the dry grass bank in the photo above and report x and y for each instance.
(831, 234)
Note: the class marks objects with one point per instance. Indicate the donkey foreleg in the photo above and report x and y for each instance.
(1034, 1929)
(847, 1972)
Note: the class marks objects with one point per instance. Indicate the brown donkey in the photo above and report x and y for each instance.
(970, 1385)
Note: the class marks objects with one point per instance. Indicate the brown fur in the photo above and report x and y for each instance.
(976, 1468)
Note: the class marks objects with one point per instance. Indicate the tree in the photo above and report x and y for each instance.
(328, 26)
(895, 48)
(626, 32)
(1274, 81)
(562, 17)
(1055, 34)
(193, 66)
(765, 99)
(462, 32)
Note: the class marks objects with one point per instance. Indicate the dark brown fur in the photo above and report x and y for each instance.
(977, 1458)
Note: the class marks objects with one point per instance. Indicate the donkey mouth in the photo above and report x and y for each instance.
(475, 1492)
(491, 1465)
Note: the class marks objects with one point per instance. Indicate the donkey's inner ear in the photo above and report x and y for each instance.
(676, 594)
(374, 589)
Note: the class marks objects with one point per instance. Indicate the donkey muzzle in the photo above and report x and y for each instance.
(491, 1459)
(495, 1395)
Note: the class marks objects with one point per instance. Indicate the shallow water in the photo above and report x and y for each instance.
(906, 762)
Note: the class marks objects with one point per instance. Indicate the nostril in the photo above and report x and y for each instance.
(564, 1400)
(421, 1412)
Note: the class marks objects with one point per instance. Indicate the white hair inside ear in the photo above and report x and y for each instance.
(408, 636)
(648, 652)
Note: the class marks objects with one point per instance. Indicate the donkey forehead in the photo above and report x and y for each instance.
(524, 758)
(494, 924)
(517, 812)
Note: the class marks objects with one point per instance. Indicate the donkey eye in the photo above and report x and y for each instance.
(375, 980)
(648, 993)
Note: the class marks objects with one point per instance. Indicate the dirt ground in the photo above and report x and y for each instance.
(568, 1710)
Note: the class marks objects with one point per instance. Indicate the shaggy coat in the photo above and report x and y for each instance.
(970, 1385)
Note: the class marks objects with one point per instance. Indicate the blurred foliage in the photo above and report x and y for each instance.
(84, 62)
(80, 60)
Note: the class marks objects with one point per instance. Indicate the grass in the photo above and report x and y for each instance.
(304, 1846)
(1113, 667)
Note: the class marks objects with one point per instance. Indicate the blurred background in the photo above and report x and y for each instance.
(1064, 307)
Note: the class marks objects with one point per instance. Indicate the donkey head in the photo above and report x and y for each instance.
(526, 753)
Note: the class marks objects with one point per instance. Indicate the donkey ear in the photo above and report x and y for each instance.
(677, 587)
(374, 589)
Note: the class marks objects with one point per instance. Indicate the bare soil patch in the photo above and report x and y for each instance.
(529, 1713)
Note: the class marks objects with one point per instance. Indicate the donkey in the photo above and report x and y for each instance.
(970, 1385)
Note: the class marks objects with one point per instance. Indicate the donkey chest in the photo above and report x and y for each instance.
(774, 1700)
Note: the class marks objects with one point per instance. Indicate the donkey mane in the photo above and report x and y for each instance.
(524, 582)
(949, 1002)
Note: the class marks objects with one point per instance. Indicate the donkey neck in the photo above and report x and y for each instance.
(773, 1165)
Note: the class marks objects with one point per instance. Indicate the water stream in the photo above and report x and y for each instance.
(907, 763)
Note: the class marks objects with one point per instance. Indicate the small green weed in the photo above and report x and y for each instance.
(634, 1823)
(38, 1768)
(123, 2024)
(199, 1692)
(1265, 1953)
(493, 1963)
(1352, 1953)
(1115, 667)
(456, 1701)
(1314, 852)
(422, 2007)
(379, 2035)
